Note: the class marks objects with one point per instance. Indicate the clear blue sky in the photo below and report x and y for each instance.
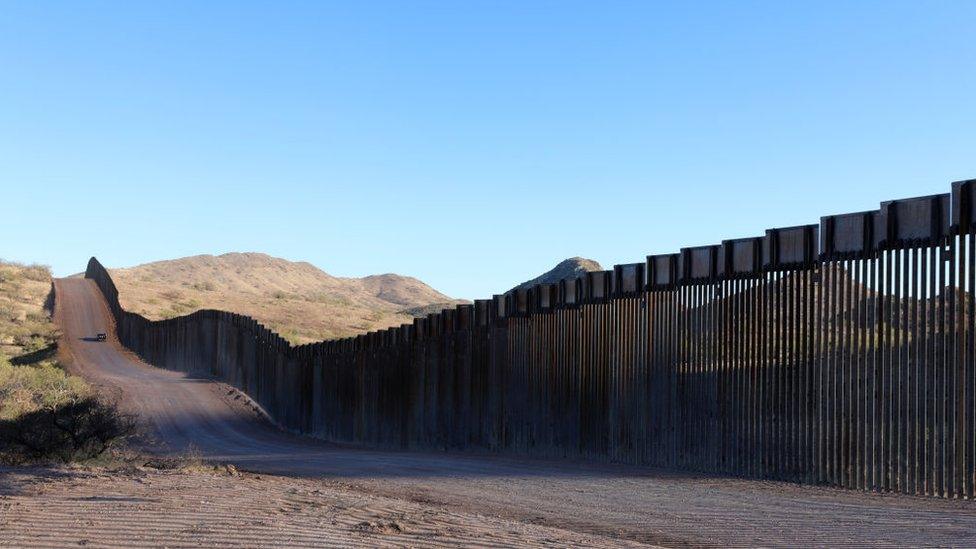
(472, 145)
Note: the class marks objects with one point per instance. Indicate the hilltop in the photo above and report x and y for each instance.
(296, 299)
(573, 267)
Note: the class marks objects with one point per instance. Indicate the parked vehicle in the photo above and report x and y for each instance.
(100, 337)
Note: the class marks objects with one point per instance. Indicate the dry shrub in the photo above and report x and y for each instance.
(78, 430)
(46, 414)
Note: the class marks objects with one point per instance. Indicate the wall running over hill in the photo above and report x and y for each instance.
(841, 353)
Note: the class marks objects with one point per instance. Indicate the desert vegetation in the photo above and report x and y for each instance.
(25, 325)
(45, 413)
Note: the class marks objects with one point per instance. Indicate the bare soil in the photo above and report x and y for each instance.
(220, 507)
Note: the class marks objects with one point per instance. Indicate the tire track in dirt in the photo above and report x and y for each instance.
(43, 507)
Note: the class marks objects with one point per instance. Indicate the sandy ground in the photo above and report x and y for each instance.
(600, 503)
(217, 507)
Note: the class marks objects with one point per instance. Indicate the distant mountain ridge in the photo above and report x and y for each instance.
(573, 267)
(295, 298)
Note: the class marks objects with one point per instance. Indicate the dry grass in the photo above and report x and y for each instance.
(297, 300)
(25, 326)
(25, 389)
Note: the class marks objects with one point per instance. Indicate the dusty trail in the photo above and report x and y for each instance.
(618, 502)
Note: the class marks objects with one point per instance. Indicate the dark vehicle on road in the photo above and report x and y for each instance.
(100, 337)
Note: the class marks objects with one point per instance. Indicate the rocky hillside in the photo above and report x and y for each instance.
(573, 267)
(296, 299)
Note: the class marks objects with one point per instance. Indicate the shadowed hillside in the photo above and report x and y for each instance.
(296, 299)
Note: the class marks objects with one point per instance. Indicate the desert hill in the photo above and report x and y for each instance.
(573, 267)
(296, 299)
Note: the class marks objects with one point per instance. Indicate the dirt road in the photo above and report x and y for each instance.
(613, 502)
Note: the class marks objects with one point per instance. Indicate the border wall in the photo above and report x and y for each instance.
(839, 353)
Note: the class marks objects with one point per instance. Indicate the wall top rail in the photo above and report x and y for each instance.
(543, 297)
(964, 206)
(923, 220)
(570, 292)
(628, 279)
(740, 257)
(850, 235)
(662, 271)
(791, 247)
(597, 285)
(517, 302)
(699, 263)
